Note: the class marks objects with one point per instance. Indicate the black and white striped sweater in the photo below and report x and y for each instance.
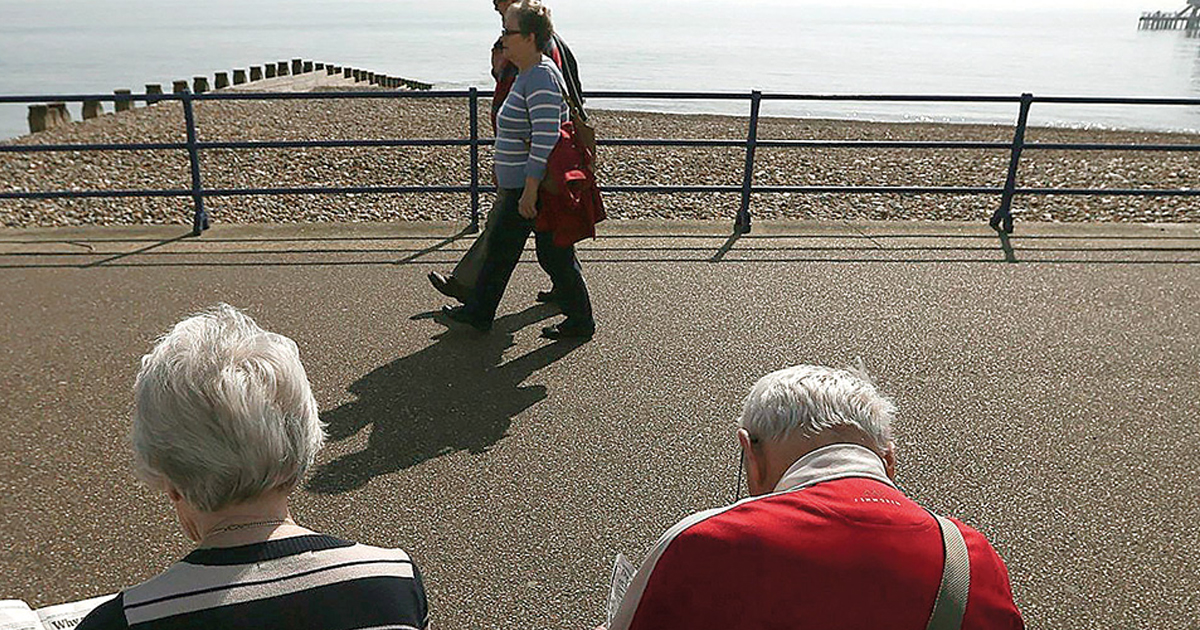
(311, 581)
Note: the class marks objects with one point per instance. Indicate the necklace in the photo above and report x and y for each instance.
(240, 526)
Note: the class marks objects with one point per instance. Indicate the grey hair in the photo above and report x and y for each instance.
(807, 400)
(224, 411)
(533, 18)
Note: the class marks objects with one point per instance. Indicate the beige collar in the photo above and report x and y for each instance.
(836, 461)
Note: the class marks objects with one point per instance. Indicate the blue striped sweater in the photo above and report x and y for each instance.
(528, 123)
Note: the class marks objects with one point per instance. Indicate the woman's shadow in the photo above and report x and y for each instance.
(451, 396)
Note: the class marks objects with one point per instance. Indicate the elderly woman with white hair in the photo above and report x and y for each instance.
(226, 426)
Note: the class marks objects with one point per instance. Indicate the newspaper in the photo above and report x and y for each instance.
(17, 615)
(622, 574)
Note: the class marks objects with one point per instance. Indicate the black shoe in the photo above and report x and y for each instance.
(546, 297)
(564, 330)
(460, 315)
(448, 286)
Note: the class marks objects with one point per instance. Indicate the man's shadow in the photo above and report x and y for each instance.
(451, 396)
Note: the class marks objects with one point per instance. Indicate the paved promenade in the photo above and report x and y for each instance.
(1047, 388)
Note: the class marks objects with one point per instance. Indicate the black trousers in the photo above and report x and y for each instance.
(504, 248)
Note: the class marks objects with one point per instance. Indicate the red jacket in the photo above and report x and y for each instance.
(837, 546)
(569, 203)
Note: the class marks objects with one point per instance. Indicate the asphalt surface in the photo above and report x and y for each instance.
(1047, 388)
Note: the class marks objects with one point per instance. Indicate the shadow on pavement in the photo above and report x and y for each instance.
(465, 232)
(142, 250)
(1005, 244)
(451, 396)
(883, 247)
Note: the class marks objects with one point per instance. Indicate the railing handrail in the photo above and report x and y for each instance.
(608, 94)
(1001, 219)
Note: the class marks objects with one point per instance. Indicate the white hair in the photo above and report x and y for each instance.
(807, 400)
(224, 411)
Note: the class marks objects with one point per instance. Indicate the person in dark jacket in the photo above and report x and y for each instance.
(461, 282)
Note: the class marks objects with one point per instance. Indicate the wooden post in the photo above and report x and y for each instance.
(347, 73)
(308, 67)
(179, 87)
(297, 66)
(222, 80)
(38, 118)
(199, 85)
(330, 70)
(256, 73)
(153, 88)
(58, 115)
(270, 69)
(121, 105)
(239, 76)
(281, 68)
(319, 66)
(92, 109)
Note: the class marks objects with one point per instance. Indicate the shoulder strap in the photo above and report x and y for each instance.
(951, 601)
(570, 72)
(572, 104)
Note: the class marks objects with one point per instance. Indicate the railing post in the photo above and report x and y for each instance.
(1002, 219)
(474, 109)
(742, 224)
(200, 218)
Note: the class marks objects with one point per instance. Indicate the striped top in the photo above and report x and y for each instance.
(528, 123)
(303, 582)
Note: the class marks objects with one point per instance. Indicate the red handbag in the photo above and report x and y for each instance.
(569, 197)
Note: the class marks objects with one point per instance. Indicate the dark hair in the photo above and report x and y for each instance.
(533, 18)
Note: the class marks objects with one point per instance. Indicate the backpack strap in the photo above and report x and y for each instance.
(951, 602)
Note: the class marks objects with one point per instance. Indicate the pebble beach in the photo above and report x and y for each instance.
(337, 119)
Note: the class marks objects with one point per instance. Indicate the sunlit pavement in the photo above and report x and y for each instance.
(1046, 386)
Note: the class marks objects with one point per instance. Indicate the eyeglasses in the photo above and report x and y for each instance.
(737, 487)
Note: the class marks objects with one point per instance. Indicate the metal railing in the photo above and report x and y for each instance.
(1001, 219)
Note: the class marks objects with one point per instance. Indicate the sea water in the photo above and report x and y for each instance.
(52, 47)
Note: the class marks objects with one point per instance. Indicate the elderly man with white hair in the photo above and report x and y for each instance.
(826, 540)
(226, 426)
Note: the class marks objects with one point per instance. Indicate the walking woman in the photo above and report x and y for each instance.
(527, 128)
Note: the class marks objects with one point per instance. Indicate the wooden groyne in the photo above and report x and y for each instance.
(51, 115)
